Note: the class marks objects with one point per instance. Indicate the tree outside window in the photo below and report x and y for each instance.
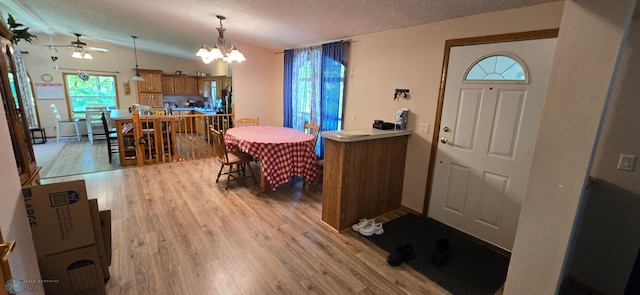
(98, 89)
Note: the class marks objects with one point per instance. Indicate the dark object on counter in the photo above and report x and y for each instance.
(379, 124)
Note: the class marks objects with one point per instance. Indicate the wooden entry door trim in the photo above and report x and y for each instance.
(530, 35)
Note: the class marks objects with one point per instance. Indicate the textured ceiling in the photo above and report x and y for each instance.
(180, 27)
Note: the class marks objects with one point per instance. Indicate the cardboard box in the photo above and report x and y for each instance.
(59, 216)
(72, 272)
(105, 222)
(97, 227)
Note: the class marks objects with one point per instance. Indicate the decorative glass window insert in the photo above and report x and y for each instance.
(98, 89)
(497, 68)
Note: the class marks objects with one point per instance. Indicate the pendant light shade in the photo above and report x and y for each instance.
(136, 76)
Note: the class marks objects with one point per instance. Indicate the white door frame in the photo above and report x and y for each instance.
(530, 35)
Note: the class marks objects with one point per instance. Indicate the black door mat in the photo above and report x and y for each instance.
(472, 268)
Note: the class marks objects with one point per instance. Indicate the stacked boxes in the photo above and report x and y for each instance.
(71, 236)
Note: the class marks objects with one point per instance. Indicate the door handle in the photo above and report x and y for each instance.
(444, 139)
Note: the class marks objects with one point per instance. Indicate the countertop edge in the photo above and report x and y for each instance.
(364, 134)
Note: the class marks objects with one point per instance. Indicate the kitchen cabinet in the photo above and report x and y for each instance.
(28, 171)
(167, 84)
(150, 90)
(152, 99)
(186, 85)
(152, 81)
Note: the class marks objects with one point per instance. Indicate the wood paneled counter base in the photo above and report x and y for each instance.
(363, 174)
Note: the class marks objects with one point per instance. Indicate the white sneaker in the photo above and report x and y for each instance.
(372, 228)
(362, 223)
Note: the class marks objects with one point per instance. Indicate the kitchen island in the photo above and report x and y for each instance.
(363, 174)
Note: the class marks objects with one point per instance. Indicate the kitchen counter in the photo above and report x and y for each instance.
(363, 174)
(199, 110)
(363, 134)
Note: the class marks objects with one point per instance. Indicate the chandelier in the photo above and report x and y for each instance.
(220, 50)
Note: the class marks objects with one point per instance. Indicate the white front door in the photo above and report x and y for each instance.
(487, 137)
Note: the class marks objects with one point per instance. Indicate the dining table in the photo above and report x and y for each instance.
(281, 151)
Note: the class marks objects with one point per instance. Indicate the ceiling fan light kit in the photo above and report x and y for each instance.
(220, 50)
(136, 76)
(80, 49)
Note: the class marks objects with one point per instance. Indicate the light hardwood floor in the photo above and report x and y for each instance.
(177, 231)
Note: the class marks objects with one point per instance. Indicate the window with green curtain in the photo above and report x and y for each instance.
(98, 89)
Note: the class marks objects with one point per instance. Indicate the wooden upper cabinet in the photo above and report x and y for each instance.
(187, 85)
(152, 81)
(191, 85)
(167, 85)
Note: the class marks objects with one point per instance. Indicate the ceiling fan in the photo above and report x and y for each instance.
(81, 50)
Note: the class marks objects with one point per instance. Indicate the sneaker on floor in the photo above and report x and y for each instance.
(362, 223)
(371, 229)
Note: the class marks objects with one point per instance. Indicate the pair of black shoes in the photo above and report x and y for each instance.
(401, 254)
(442, 253)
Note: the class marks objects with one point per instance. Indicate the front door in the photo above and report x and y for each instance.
(493, 102)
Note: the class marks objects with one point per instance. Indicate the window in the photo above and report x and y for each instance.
(498, 67)
(97, 89)
(314, 87)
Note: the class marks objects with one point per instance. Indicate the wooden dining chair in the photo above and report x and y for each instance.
(314, 129)
(93, 112)
(111, 136)
(246, 122)
(238, 158)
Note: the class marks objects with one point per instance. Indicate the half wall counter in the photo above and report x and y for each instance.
(363, 174)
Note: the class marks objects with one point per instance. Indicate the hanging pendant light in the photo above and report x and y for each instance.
(136, 77)
(220, 50)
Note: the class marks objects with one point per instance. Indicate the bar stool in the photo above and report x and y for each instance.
(43, 135)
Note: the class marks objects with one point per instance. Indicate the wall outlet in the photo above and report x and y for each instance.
(424, 128)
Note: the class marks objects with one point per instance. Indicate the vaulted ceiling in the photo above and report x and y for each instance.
(179, 27)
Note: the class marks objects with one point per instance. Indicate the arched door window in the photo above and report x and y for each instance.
(498, 67)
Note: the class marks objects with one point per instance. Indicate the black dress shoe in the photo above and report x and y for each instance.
(401, 254)
(442, 253)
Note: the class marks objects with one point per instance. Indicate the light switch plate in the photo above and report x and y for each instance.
(424, 128)
(627, 162)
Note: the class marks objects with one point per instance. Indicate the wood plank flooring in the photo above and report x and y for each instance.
(176, 231)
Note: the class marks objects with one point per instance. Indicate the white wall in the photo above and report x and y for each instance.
(609, 236)
(591, 35)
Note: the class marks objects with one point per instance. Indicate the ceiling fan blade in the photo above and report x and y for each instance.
(96, 49)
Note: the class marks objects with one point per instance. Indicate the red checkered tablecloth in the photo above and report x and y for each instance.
(283, 152)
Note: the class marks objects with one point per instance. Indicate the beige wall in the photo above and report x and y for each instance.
(609, 236)
(13, 217)
(411, 58)
(591, 35)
